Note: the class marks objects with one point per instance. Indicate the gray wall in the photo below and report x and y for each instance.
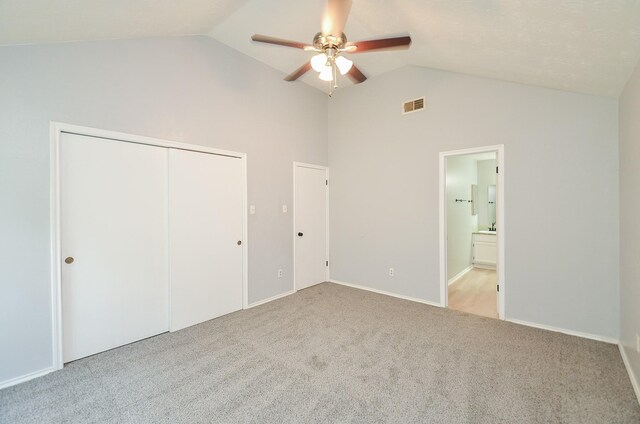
(561, 205)
(461, 223)
(190, 89)
(629, 223)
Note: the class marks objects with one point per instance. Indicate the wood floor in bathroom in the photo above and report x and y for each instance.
(475, 293)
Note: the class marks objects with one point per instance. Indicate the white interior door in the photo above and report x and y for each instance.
(206, 209)
(310, 208)
(113, 204)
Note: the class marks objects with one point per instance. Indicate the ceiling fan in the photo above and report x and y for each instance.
(330, 43)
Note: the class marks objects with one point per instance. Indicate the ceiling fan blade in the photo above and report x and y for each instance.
(279, 41)
(335, 17)
(356, 75)
(379, 44)
(298, 72)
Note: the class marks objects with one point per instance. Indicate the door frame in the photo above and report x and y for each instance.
(56, 131)
(326, 173)
(500, 222)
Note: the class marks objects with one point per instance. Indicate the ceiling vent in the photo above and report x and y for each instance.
(411, 106)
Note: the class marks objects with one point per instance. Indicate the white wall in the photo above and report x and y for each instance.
(190, 89)
(629, 223)
(561, 205)
(486, 177)
(461, 223)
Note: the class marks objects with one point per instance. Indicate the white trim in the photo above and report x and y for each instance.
(484, 266)
(310, 165)
(500, 222)
(459, 275)
(272, 298)
(513, 321)
(56, 129)
(386, 293)
(634, 381)
(21, 379)
(168, 237)
(59, 127)
(564, 331)
(245, 235)
(56, 277)
(326, 173)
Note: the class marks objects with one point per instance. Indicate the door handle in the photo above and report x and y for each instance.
(300, 234)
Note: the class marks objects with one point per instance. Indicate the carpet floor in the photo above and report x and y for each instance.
(334, 354)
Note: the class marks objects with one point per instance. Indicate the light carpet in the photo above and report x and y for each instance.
(335, 354)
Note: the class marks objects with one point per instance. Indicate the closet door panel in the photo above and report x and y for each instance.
(114, 228)
(206, 207)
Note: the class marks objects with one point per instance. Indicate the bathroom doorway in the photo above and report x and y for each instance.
(472, 231)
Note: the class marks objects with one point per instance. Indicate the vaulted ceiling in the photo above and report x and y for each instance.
(587, 46)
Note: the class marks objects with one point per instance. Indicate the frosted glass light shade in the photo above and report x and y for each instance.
(326, 74)
(343, 64)
(318, 62)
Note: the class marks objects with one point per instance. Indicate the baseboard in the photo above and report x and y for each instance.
(484, 266)
(565, 331)
(632, 376)
(459, 275)
(399, 296)
(26, 377)
(270, 299)
(515, 321)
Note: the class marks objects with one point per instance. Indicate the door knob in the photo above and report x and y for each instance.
(69, 260)
(300, 234)
(239, 242)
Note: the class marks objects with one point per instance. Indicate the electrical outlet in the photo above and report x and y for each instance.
(280, 272)
(637, 342)
(252, 209)
(284, 208)
(391, 272)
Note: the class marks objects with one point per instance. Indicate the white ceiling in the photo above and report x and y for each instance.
(46, 21)
(587, 46)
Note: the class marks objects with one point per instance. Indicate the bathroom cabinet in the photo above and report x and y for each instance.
(485, 250)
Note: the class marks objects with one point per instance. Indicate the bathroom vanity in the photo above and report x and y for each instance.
(485, 249)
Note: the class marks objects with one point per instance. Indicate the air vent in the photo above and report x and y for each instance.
(413, 105)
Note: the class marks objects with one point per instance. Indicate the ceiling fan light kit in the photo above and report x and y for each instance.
(319, 62)
(326, 74)
(328, 61)
(343, 64)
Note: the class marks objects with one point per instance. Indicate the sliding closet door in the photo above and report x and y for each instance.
(113, 208)
(206, 208)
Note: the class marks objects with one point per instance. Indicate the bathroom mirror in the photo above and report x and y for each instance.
(491, 203)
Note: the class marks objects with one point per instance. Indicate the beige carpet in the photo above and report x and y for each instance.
(336, 354)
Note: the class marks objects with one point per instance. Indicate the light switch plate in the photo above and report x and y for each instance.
(252, 209)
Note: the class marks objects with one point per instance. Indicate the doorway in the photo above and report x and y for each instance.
(310, 225)
(472, 231)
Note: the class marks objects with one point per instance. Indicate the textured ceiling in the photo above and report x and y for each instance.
(587, 46)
